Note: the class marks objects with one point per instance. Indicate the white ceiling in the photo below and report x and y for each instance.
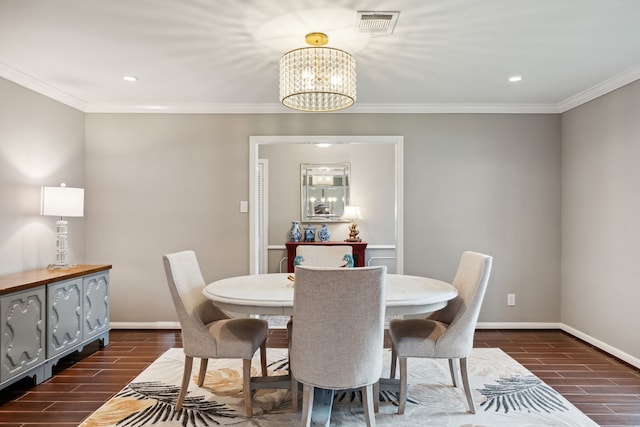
(222, 55)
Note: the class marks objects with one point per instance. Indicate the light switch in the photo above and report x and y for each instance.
(244, 206)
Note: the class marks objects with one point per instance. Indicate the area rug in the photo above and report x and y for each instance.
(506, 394)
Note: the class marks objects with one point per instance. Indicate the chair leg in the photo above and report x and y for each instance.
(188, 364)
(454, 372)
(465, 382)
(263, 358)
(307, 404)
(376, 397)
(367, 403)
(402, 400)
(203, 371)
(246, 386)
(294, 394)
(394, 357)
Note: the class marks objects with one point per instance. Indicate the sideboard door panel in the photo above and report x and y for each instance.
(64, 315)
(23, 331)
(96, 304)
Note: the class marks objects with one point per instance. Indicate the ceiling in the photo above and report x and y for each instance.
(222, 55)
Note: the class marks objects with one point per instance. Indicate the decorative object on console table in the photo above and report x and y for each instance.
(62, 202)
(295, 234)
(309, 233)
(358, 249)
(324, 234)
(352, 212)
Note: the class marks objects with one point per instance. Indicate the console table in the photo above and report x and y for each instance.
(48, 314)
(357, 248)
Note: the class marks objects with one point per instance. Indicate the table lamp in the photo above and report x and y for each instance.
(61, 201)
(352, 213)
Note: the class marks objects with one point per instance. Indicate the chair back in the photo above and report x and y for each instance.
(324, 256)
(194, 310)
(461, 313)
(338, 327)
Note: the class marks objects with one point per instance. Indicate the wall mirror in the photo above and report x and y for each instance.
(324, 191)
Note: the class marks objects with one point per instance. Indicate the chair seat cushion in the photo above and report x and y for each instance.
(416, 337)
(238, 338)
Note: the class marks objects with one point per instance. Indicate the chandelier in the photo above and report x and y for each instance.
(317, 78)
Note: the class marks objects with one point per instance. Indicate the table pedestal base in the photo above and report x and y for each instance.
(322, 404)
(276, 381)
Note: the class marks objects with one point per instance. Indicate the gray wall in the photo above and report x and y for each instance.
(601, 218)
(161, 183)
(493, 183)
(41, 144)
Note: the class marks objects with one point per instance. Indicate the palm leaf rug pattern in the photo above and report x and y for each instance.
(522, 394)
(506, 393)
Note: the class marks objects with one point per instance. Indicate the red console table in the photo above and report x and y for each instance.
(357, 248)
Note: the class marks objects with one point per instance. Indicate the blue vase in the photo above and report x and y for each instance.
(309, 234)
(324, 234)
(295, 234)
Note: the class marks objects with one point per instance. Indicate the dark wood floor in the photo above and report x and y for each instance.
(604, 388)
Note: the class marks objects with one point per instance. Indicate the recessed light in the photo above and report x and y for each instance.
(514, 79)
(323, 145)
(130, 78)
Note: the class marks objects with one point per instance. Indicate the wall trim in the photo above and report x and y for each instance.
(519, 325)
(568, 329)
(634, 361)
(38, 86)
(595, 91)
(603, 346)
(144, 325)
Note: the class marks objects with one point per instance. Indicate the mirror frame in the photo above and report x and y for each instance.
(254, 145)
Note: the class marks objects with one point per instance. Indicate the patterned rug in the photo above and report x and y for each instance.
(506, 394)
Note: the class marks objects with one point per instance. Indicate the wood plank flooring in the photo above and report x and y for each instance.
(603, 387)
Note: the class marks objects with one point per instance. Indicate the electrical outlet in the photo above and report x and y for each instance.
(244, 206)
(511, 299)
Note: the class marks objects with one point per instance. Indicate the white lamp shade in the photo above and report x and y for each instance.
(62, 201)
(351, 212)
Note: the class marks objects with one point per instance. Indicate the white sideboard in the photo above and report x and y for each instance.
(48, 314)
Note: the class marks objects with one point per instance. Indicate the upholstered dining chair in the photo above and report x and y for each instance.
(319, 256)
(352, 302)
(207, 332)
(324, 256)
(447, 333)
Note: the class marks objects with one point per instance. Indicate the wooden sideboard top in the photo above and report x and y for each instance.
(33, 278)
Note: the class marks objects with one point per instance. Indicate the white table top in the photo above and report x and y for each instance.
(272, 294)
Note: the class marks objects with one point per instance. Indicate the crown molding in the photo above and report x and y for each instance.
(576, 100)
(609, 85)
(274, 108)
(200, 108)
(460, 108)
(40, 87)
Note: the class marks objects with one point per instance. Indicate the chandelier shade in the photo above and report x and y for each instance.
(317, 79)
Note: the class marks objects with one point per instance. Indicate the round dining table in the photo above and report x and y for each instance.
(272, 294)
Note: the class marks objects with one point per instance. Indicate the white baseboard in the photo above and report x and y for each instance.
(518, 325)
(481, 325)
(568, 329)
(144, 325)
(603, 346)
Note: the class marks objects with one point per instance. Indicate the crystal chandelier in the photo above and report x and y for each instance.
(317, 78)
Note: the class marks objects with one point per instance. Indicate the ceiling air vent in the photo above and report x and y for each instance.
(376, 22)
